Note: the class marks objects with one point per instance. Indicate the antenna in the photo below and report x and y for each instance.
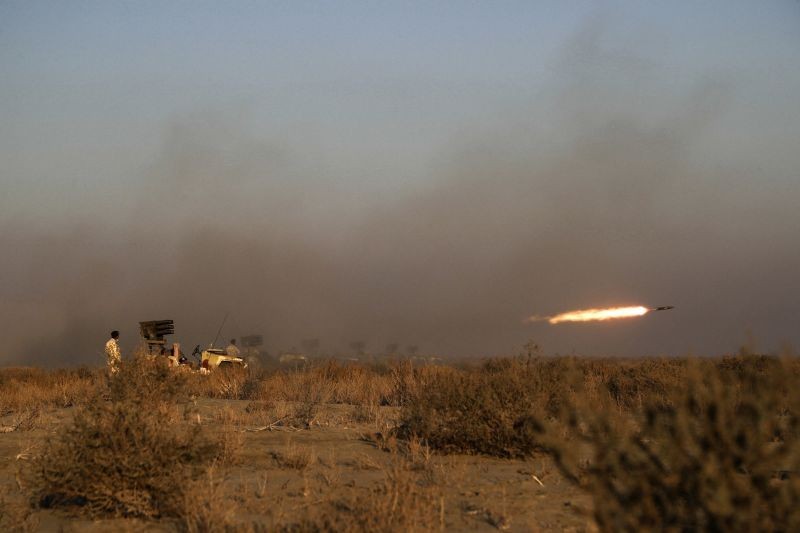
(219, 330)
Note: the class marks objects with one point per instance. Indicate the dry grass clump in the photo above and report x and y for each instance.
(495, 410)
(371, 414)
(631, 383)
(131, 454)
(723, 455)
(294, 456)
(23, 420)
(27, 388)
(227, 431)
(205, 507)
(231, 383)
(328, 381)
(404, 501)
(306, 389)
(15, 513)
(407, 379)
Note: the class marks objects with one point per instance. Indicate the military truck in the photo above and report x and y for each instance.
(212, 358)
(153, 333)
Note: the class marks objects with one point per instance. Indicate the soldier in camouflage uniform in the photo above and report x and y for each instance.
(113, 356)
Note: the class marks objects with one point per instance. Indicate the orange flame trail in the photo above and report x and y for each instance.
(586, 315)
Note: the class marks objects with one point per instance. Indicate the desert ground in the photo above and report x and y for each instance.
(525, 443)
(280, 473)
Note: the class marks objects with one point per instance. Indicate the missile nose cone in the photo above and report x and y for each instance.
(664, 308)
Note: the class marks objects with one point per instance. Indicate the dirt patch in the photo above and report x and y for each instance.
(288, 476)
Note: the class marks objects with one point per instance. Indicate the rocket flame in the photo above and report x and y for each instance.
(586, 315)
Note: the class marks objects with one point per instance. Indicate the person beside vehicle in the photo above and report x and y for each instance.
(232, 350)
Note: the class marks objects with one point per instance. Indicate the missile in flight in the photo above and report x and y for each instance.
(586, 315)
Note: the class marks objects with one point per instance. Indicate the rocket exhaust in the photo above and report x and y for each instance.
(588, 315)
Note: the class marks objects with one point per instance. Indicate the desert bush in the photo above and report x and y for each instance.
(345, 383)
(229, 443)
(715, 458)
(406, 379)
(29, 388)
(629, 383)
(226, 383)
(402, 502)
(23, 420)
(494, 411)
(147, 380)
(403, 382)
(327, 381)
(368, 414)
(15, 513)
(294, 456)
(128, 452)
(205, 508)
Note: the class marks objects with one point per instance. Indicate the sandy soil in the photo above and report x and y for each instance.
(477, 493)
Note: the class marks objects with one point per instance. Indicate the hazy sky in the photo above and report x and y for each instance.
(425, 173)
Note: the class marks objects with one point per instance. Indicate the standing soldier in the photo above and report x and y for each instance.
(113, 357)
(232, 350)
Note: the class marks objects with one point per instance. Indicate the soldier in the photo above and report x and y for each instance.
(232, 350)
(113, 356)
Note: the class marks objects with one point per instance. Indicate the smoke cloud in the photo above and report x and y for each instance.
(605, 189)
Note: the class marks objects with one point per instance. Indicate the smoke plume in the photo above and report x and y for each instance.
(597, 192)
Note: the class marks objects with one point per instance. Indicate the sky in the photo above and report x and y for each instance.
(420, 173)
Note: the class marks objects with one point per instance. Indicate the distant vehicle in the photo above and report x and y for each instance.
(212, 358)
(289, 358)
(153, 333)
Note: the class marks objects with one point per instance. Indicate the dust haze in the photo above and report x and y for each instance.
(607, 188)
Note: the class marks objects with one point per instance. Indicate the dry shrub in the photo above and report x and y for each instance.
(328, 381)
(15, 513)
(227, 431)
(260, 407)
(205, 507)
(146, 379)
(321, 382)
(402, 502)
(226, 383)
(631, 383)
(307, 388)
(131, 455)
(263, 413)
(721, 456)
(368, 414)
(406, 380)
(497, 408)
(26, 388)
(355, 384)
(23, 420)
(294, 456)
(229, 445)
(494, 410)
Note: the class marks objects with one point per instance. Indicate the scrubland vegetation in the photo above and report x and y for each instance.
(649, 444)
